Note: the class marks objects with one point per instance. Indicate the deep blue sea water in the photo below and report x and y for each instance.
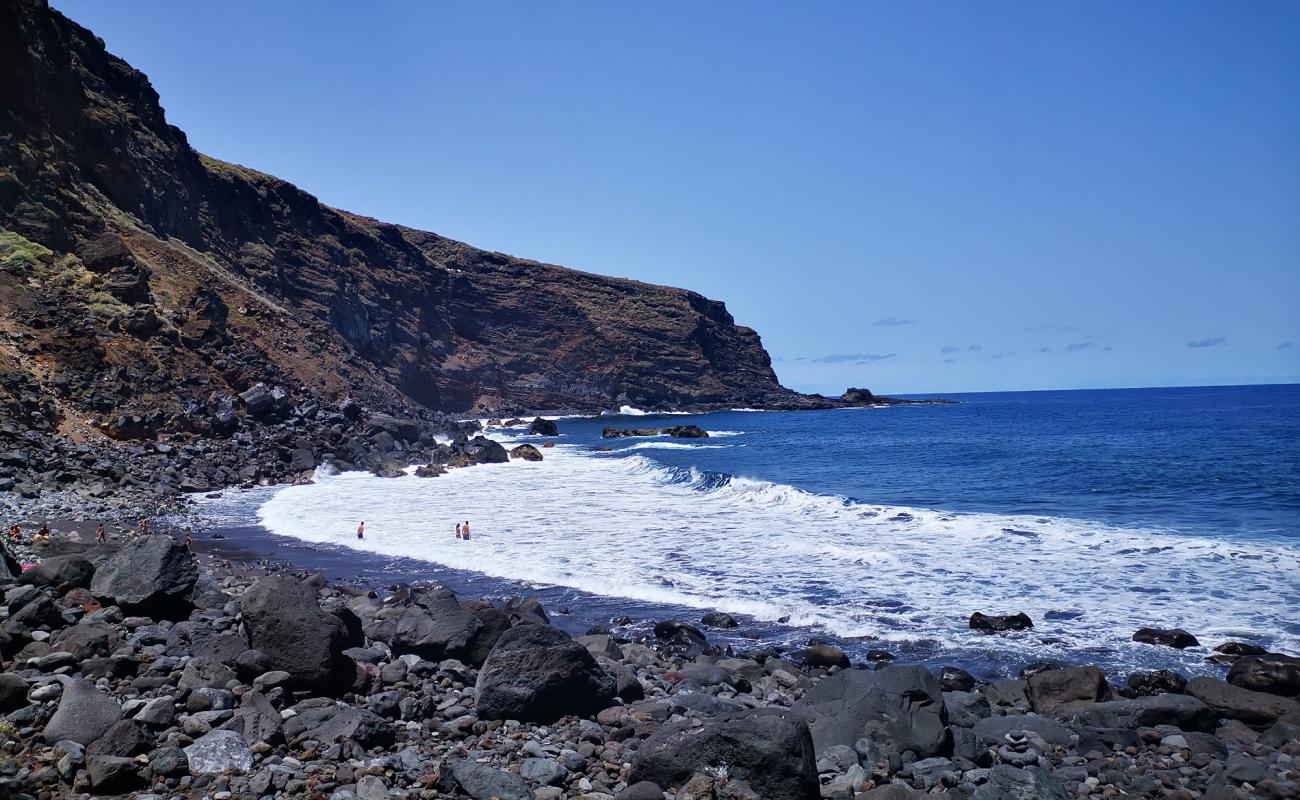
(1096, 512)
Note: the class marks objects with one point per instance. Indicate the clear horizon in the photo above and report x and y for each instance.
(940, 199)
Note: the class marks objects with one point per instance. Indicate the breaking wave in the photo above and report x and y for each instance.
(624, 525)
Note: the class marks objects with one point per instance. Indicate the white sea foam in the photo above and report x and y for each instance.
(717, 434)
(675, 446)
(627, 526)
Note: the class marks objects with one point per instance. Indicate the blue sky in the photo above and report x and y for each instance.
(912, 197)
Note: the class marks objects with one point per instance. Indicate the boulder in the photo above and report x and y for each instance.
(543, 427)
(13, 692)
(436, 626)
(84, 714)
(1152, 682)
(1182, 711)
(955, 679)
(1233, 702)
(284, 621)
(1062, 692)
(770, 749)
(10, 568)
(992, 731)
(536, 672)
(150, 575)
(126, 738)
(899, 705)
(60, 573)
(824, 656)
(719, 619)
(680, 638)
(527, 452)
(87, 639)
(326, 721)
(1274, 673)
(482, 450)
(110, 775)
(1169, 637)
(686, 432)
(993, 623)
(219, 751)
(483, 782)
(1006, 782)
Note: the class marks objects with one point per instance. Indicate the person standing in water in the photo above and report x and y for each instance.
(464, 529)
(458, 530)
(361, 530)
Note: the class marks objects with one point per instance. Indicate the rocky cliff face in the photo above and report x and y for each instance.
(143, 282)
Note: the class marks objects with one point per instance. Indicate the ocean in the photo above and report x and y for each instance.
(1094, 512)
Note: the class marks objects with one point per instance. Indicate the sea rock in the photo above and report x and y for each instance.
(150, 575)
(536, 672)
(1062, 692)
(824, 656)
(899, 705)
(482, 450)
(686, 432)
(1169, 637)
(993, 623)
(219, 751)
(955, 679)
(543, 427)
(1153, 682)
(719, 619)
(1274, 673)
(284, 621)
(770, 749)
(84, 714)
(526, 452)
(1233, 702)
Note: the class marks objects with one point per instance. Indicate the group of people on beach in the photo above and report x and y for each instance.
(15, 533)
(462, 530)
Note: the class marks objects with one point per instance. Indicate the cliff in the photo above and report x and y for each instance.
(142, 279)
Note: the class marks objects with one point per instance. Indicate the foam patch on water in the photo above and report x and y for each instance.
(675, 446)
(626, 526)
(724, 434)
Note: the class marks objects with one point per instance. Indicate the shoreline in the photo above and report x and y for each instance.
(246, 679)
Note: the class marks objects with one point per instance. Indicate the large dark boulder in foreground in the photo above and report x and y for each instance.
(536, 672)
(436, 626)
(770, 749)
(151, 575)
(1253, 708)
(901, 706)
(1062, 692)
(1274, 673)
(1169, 637)
(60, 572)
(87, 639)
(993, 623)
(284, 621)
(84, 714)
